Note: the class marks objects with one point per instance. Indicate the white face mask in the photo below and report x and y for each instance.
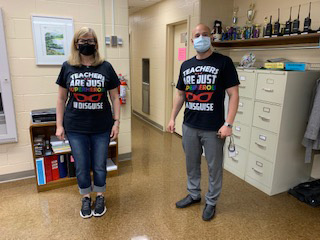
(201, 44)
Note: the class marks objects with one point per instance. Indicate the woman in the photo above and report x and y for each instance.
(87, 118)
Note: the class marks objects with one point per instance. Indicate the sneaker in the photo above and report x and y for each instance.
(187, 201)
(85, 211)
(208, 212)
(100, 206)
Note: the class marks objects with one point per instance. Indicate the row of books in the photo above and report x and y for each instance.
(289, 66)
(59, 146)
(55, 146)
(50, 168)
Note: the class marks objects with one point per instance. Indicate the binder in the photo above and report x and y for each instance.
(62, 166)
(71, 167)
(48, 168)
(54, 167)
(40, 171)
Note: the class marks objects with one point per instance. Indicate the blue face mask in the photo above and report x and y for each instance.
(201, 44)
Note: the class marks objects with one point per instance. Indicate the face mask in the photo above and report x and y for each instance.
(87, 49)
(201, 44)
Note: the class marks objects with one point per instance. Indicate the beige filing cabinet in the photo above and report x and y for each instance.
(269, 127)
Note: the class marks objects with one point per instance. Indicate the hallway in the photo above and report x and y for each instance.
(141, 202)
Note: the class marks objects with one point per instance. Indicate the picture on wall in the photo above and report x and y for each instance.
(52, 38)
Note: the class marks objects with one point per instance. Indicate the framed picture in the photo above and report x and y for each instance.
(52, 38)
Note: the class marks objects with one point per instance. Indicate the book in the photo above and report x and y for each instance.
(71, 167)
(110, 165)
(40, 171)
(274, 65)
(62, 166)
(296, 66)
(54, 167)
(48, 168)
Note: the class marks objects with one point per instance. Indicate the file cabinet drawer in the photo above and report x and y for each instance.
(263, 143)
(271, 87)
(246, 87)
(259, 169)
(238, 163)
(241, 135)
(267, 116)
(245, 111)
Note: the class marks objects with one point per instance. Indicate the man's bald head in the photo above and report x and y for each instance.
(201, 29)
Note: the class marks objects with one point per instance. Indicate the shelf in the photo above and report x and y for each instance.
(312, 38)
(48, 129)
(67, 181)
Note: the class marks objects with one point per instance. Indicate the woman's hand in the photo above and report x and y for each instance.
(60, 133)
(114, 132)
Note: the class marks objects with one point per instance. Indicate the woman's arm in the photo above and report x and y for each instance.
(62, 98)
(114, 96)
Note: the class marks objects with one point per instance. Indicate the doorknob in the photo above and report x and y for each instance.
(173, 84)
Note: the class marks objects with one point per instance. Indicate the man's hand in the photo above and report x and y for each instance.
(224, 132)
(171, 126)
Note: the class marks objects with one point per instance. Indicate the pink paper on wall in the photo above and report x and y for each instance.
(182, 54)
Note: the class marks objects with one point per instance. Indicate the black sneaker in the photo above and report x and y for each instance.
(208, 212)
(100, 206)
(85, 211)
(187, 201)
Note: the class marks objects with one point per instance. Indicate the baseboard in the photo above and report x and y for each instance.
(124, 157)
(16, 176)
(156, 125)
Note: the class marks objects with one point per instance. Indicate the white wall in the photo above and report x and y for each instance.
(148, 29)
(34, 86)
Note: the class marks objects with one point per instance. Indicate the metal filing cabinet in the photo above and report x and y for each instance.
(273, 111)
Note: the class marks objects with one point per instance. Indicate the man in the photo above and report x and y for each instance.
(202, 84)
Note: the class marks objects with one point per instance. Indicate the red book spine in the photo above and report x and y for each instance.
(55, 169)
(48, 168)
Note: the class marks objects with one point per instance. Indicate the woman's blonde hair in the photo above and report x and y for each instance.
(74, 57)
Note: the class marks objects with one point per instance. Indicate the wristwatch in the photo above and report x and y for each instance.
(228, 124)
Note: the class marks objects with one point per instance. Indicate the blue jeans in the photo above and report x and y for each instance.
(90, 151)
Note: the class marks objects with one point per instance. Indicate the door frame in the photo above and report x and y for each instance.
(169, 62)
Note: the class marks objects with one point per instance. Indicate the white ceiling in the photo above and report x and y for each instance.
(137, 5)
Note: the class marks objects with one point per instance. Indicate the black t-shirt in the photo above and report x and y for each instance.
(204, 82)
(88, 109)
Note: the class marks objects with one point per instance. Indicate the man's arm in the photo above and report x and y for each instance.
(233, 94)
(177, 105)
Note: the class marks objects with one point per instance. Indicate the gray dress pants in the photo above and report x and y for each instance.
(193, 140)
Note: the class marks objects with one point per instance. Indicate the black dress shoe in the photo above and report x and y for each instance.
(187, 201)
(208, 212)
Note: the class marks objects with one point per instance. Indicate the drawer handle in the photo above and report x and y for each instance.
(239, 111)
(234, 159)
(237, 136)
(241, 86)
(257, 171)
(260, 145)
(267, 89)
(264, 118)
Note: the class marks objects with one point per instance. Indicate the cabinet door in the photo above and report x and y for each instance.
(8, 131)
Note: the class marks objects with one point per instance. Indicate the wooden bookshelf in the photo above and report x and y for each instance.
(312, 38)
(49, 129)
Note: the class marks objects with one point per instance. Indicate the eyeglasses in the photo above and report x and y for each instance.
(84, 98)
(202, 97)
(84, 41)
